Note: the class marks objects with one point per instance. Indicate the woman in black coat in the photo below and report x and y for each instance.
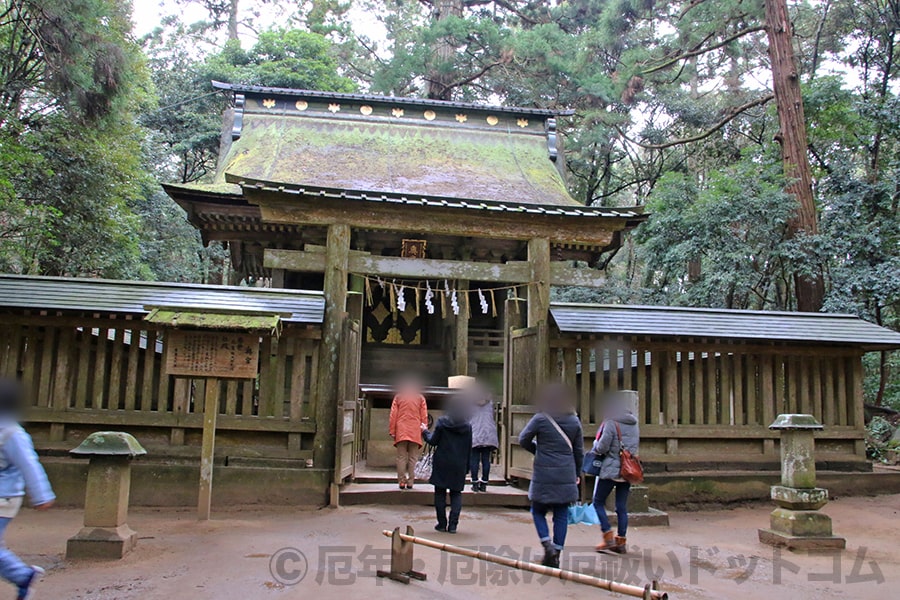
(555, 438)
(452, 439)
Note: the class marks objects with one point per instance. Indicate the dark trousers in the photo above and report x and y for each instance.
(481, 456)
(440, 507)
(560, 522)
(604, 487)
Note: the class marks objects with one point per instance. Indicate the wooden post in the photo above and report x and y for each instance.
(62, 384)
(656, 389)
(857, 400)
(207, 452)
(539, 291)
(539, 301)
(182, 391)
(337, 254)
(670, 374)
(699, 369)
(462, 329)
(402, 559)
(277, 278)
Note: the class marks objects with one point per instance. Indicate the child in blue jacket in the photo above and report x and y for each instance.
(20, 471)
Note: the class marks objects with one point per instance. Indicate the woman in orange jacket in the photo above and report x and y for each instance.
(409, 413)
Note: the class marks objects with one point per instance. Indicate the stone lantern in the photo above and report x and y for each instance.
(105, 533)
(796, 523)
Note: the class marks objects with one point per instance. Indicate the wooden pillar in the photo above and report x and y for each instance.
(180, 403)
(539, 291)
(539, 302)
(277, 278)
(857, 399)
(208, 448)
(62, 384)
(670, 388)
(337, 254)
(462, 329)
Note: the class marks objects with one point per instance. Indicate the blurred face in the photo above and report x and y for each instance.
(409, 386)
(555, 398)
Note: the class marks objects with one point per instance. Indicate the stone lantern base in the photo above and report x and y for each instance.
(798, 542)
(797, 523)
(101, 542)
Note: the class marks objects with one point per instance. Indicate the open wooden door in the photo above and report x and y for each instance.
(521, 380)
(348, 438)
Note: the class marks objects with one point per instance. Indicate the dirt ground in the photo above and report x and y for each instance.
(250, 553)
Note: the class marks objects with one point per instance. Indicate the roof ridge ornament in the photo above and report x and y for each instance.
(238, 123)
(552, 147)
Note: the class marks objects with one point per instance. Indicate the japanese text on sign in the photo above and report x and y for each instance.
(210, 354)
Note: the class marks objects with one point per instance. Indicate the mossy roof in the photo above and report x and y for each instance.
(395, 157)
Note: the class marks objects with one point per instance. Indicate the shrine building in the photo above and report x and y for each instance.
(371, 237)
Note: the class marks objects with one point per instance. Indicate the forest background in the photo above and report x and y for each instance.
(691, 108)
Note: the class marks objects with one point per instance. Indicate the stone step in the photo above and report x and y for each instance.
(355, 494)
(423, 495)
(390, 477)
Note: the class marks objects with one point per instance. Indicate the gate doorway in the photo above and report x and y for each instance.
(523, 373)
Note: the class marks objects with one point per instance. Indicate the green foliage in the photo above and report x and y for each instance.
(280, 58)
(70, 159)
(22, 222)
(878, 438)
(187, 122)
(91, 184)
(730, 228)
(69, 54)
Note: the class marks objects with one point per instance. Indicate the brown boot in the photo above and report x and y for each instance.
(619, 545)
(608, 542)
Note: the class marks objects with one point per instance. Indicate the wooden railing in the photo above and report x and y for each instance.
(486, 339)
(88, 373)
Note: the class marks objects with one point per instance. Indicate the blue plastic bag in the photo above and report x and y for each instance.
(583, 513)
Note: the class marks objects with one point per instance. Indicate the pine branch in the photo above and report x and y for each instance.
(701, 136)
(698, 49)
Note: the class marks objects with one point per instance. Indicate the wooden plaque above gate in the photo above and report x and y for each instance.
(212, 354)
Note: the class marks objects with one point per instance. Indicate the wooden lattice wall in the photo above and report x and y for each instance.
(94, 372)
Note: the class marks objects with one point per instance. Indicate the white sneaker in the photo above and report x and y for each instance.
(27, 592)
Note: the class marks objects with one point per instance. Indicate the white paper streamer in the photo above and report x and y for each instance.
(429, 295)
(401, 299)
(483, 301)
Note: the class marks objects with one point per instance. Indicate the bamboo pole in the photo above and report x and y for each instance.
(605, 584)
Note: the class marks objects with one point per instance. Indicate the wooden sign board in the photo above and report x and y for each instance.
(413, 248)
(212, 354)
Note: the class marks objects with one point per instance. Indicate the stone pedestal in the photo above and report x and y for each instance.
(105, 533)
(796, 523)
(640, 513)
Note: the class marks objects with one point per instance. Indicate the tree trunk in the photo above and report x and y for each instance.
(440, 76)
(809, 290)
(233, 20)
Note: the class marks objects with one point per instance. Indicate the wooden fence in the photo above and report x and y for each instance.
(699, 396)
(85, 374)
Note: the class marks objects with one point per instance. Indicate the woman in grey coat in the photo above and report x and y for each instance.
(619, 429)
(484, 436)
(555, 438)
